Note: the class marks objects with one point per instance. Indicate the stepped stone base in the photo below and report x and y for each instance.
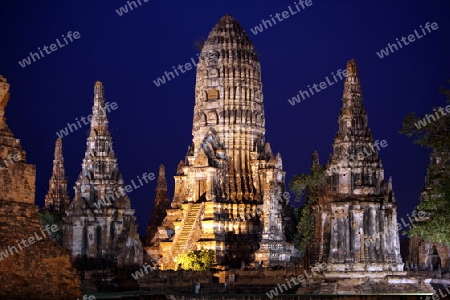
(370, 283)
(361, 270)
(276, 253)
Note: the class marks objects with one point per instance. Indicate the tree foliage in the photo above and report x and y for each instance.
(49, 218)
(197, 260)
(306, 188)
(435, 202)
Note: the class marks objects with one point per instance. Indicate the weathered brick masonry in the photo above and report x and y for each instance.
(42, 270)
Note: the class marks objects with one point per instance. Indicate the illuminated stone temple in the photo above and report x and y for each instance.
(228, 189)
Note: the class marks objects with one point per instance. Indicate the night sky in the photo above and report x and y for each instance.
(152, 125)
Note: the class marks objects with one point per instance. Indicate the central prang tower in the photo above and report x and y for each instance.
(228, 190)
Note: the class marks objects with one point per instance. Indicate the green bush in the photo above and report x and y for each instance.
(52, 218)
(197, 260)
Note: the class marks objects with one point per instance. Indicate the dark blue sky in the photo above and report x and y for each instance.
(152, 125)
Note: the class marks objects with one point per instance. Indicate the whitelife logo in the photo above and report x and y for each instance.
(432, 118)
(86, 121)
(211, 54)
(11, 158)
(122, 192)
(281, 17)
(411, 38)
(318, 267)
(53, 47)
(124, 9)
(31, 240)
(360, 156)
(302, 95)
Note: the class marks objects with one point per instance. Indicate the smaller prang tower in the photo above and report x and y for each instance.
(100, 225)
(161, 203)
(423, 254)
(356, 219)
(57, 198)
(157, 215)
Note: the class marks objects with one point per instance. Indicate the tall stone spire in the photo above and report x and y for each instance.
(354, 151)
(99, 121)
(160, 205)
(57, 198)
(100, 178)
(100, 222)
(356, 218)
(228, 189)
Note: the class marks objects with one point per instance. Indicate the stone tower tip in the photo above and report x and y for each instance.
(228, 16)
(98, 89)
(162, 170)
(4, 92)
(352, 68)
(315, 163)
(58, 147)
(57, 198)
(58, 144)
(4, 98)
(315, 157)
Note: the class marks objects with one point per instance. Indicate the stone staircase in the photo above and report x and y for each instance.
(183, 239)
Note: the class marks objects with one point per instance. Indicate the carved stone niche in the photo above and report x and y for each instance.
(214, 73)
(212, 118)
(201, 159)
(259, 120)
(200, 119)
(210, 55)
(212, 94)
(258, 95)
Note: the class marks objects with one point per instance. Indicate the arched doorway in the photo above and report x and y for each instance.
(433, 260)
